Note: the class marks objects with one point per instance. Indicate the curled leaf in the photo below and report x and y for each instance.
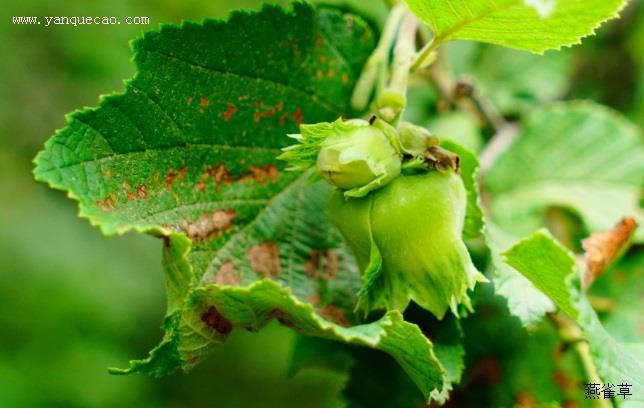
(603, 248)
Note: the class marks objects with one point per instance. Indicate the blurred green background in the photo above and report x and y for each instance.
(74, 303)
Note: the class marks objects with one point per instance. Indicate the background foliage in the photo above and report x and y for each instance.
(68, 317)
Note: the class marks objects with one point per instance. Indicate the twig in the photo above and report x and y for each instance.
(393, 99)
(378, 59)
(496, 146)
(463, 94)
(571, 334)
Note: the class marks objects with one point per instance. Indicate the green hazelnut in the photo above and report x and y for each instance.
(407, 240)
(353, 155)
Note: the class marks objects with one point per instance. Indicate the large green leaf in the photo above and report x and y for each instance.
(553, 269)
(188, 153)
(579, 156)
(365, 389)
(524, 300)
(532, 25)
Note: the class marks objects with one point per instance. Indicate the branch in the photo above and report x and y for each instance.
(462, 92)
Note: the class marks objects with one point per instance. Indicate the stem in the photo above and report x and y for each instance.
(403, 53)
(393, 99)
(459, 93)
(424, 54)
(378, 59)
(583, 351)
(570, 333)
(464, 95)
(497, 145)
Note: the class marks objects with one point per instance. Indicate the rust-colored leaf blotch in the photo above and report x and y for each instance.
(265, 259)
(602, 248)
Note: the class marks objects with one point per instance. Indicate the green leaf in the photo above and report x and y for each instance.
(524, 300)
(213, 310)
(533, 260)
(363, 388)
(529, 25)
(579, 156)
(553, 269)
(188, 154)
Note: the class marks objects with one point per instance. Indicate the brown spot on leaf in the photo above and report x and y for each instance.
(204, 101)
(330, 73)
(563, 381)
(230, 111)
(257, 116)
(189, 101)
(169, 179)
(298, 117)
(345, 79)
(265, 259)
(602, 248)
(142, 192)
(175, 175)
(322, 264)
(281, 317)
(182, 173)
(319, 41)
(280, 106)
(219, 174)
(261, 174)
(227, 275)
(106, 204)
(525, 400)
(269, 112)
(315, 299)
(208, 225)
(216, 321)
(335, 314)
(128, 191)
